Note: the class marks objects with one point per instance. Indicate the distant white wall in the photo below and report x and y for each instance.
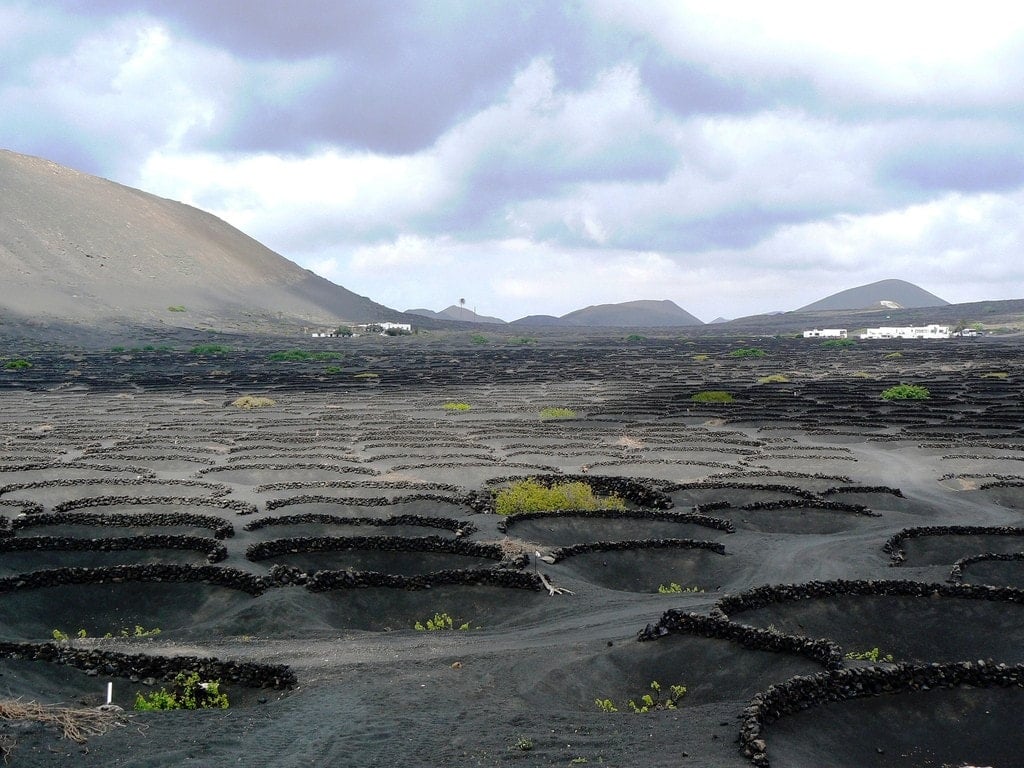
(826, 333)
(908, 332)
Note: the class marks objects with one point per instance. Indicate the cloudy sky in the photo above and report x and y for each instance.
(538, 157)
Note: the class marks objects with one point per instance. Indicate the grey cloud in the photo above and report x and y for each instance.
(961, 168)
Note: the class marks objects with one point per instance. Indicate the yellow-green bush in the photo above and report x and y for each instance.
(532, 496)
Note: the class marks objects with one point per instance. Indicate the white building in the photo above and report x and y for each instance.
(385, 327)
(908, 332)
(826, 333)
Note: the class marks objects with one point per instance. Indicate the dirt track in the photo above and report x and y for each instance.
(804, 471)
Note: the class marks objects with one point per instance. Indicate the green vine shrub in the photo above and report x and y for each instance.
(440, 621)
(712, 396)
(532, 496)
(906, 392)
(187, 692)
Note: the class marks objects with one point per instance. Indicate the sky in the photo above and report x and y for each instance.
(540, 156)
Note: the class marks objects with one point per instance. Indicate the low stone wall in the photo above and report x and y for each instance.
(323, 581)
(956, 574)
(345, 469)
(824, 652)
(894, 546)
(619, 546)
(139, 666)
(458, 527)
(863, 489)
(413, 485)
(769, 594)
(230, 578)
(266, 549)
(357, 501)
(239, 507)
(803, 692)
(621, 514)
(215, 489)
(21, 507)
(711, 485)
(832, 506)
(220, 527)
(213, 549)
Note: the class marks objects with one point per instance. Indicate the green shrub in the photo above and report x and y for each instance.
(874, 656)
(675, 589)
(712, 396)
(17, 365)
(893, 355)
(995, 375)
(649, 701)
(457, 406)
(906, 392)
(188, 692)
(176, 308)
(367, 375)
(838, 343)
(548, 414)
(332, 369)
(210, 349)
(302, 355)
(748, 352)
(440, 621)
(531, 496)
(700, 358)
(636, 337)
(343, 330)
(478, 338)
(775, 378)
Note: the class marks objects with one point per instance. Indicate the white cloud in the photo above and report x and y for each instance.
(940, 53)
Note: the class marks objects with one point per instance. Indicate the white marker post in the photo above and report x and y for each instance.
(110, 693)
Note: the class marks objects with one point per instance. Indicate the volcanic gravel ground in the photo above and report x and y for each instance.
(153, 435)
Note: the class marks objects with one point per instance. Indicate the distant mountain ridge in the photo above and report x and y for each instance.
(884, 294)
(459, 314)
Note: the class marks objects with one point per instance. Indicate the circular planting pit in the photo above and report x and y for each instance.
(712, 670)
(701, 494)
(644, 566)
(192, 609)
(314, 525)
(385, 609)
(807, 517)
(909, 620)
(944, 545)
(924, 717)
(1000, 569)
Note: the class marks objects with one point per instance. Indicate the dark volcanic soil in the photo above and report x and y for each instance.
(795, 481)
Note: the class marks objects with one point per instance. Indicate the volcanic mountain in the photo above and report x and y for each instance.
(885, 294)
(78, 249)
(636, 314)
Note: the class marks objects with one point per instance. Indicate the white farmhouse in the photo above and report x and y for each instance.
(908, 332)
(826, 333)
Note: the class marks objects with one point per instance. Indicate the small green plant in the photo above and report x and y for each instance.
(906, 392)
(649, 701)
(531, 496)
(636, 337)
(523, 744)
(838, 344)
(367, 375)
(700, 358)
(893, 355)
(606, 705)
(748, 352)
(440, 621)
(210, 349)
(17, 365)
(332, 369)
(64, 637)
(188, 692)
(117, 349)
(457, 406)
(302, 355)
(138, 631)
(252, 401)
(712, 396)
(578, 761)
(874, 655)
(343, 330)
(674, 589)
(176, 308)
(995, 375)
(775, 378)
(551, 414)
(478, 338)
